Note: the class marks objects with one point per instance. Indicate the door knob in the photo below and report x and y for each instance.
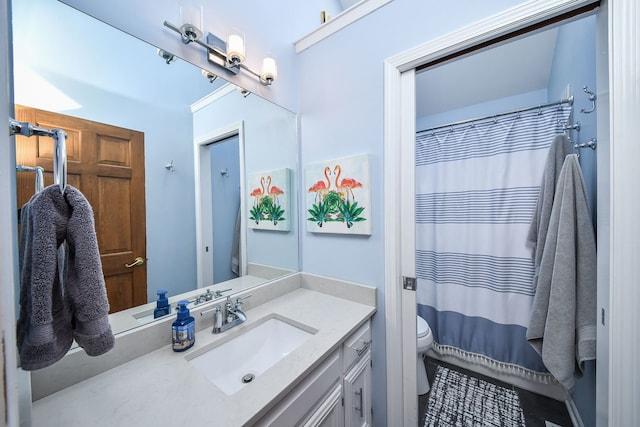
(138, 261)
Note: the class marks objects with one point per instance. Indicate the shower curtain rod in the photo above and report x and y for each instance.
(492, 116)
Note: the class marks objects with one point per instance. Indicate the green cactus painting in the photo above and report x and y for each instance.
(270, 197)
(338, 196)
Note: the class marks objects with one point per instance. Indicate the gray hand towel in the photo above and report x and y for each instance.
(54, 311)
(43, 331)
(562, 326)
(558, 151)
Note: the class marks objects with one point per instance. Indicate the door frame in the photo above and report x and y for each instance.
(204, 214)
(399, 140)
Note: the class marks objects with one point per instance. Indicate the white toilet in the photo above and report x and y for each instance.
(425, 338)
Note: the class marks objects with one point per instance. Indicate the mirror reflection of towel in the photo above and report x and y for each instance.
(562, 327)
(235, 249)
(62, 290)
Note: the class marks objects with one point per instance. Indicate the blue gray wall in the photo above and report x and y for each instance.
(225, 189)
(574, 63)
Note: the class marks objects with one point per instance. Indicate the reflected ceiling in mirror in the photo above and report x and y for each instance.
(69, 63)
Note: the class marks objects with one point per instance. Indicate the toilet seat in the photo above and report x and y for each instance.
(424, 335)
(422, 327)
(424, 340)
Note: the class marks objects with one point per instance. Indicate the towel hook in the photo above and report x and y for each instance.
(60, 158)
(566, 126)
(592, 143)
(592, 98)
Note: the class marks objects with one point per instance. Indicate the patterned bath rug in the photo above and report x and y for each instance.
(460, 400)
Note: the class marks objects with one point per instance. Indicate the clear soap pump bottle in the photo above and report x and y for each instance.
(183, 328)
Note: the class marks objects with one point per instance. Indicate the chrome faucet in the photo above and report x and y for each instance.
(208, 296)
(234, 315)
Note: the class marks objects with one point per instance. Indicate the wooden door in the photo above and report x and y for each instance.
(106, 163)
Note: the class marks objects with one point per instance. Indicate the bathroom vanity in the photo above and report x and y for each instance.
(325, 379)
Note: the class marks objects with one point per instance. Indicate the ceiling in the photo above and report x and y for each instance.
(514, 67)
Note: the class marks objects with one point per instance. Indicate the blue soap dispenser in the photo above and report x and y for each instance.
(162, 305)
(183, 328)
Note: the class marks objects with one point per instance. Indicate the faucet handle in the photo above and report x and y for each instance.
(239, 301)
(211, 310)
(217, 317)
(219, 292)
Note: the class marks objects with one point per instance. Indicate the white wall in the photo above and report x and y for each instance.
(341, 107)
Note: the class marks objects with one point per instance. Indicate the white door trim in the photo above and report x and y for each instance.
(204, 215)
(623, 254)
(399, 110)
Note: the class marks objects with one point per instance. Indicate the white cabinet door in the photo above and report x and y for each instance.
(294, 408)
(329, 412)
(357, 393)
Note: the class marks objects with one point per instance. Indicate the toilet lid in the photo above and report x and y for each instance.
(423, 327)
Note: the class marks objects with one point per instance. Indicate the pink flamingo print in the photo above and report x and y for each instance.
(321, 188)
(258, 192)
(347, 185)
(273, 191)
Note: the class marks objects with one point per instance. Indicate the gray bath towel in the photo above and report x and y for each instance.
(562, 327)
(63, 295)
(560, 147)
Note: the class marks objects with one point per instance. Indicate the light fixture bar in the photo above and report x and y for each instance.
(216, 54)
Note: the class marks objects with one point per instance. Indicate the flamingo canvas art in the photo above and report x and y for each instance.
(338, 196)
(269, 200)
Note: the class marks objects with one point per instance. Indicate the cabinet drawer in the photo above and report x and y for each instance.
(356, 345)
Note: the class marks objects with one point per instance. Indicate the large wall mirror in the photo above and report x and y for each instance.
(202, 142)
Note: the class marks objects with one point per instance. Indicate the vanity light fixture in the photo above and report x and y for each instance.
(235, 49)
(244, 92)
(168, 57)
(209, 76)
(229, 55)
(191, 15)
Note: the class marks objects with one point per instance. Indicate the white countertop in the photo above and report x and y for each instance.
(162, 389)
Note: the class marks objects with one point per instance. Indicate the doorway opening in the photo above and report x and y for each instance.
(400, 136)
(220, 229)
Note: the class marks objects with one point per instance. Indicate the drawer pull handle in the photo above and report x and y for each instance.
(359, 408)
(365, 346)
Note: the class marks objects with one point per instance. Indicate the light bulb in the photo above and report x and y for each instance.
(269, 71)
(191, 15)
(235, 49)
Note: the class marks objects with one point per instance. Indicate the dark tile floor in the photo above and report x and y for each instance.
(537, 409)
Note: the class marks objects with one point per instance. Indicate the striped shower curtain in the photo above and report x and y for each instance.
(476, 190)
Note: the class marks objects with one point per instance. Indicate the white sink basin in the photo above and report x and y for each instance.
(234, 364)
